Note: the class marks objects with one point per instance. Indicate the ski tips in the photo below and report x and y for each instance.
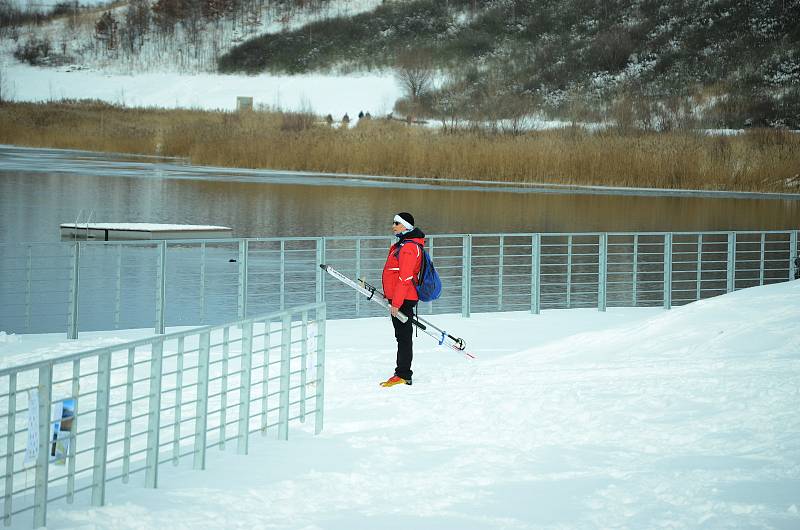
(323, 266)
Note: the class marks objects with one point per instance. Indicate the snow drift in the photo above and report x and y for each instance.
(634, 418)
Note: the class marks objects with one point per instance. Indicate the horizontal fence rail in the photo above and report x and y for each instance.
(140, 405)
(92, 285)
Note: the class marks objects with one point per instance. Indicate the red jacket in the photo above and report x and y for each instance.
(400, 272)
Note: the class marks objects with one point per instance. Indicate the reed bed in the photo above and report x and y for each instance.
(758, 160)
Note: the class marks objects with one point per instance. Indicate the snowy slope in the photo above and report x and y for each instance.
(77, 42)
(321, 94)
(161, 75)
(634, 418)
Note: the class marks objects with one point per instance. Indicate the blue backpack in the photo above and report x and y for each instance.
(429, 285)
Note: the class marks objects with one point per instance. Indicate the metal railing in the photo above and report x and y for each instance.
(155, 401)
(87, 286)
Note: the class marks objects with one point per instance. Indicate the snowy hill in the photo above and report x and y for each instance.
(634, 418)
(726, 62)
(138, 37)
(175, 69)
(649, 64)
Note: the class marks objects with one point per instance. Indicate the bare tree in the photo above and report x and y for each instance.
(192, 22)
(137, 23)
(106, 30)
(448, 104)
(166, 14)
(4, 91)
(72, 21)
(516, 111)
(414, 70)
(253, 16)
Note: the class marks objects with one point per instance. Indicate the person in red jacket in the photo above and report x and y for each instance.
(399, 286)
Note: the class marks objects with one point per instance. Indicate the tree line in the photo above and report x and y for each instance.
(187, 27)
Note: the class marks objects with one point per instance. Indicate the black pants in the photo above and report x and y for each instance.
(404, 333)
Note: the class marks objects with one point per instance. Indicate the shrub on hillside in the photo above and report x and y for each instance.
(35, 51)
(780, 109)
(64, 9)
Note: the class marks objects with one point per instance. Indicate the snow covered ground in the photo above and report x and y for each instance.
(634, 418)
(321, 94)
(74, 39)
(165, 75)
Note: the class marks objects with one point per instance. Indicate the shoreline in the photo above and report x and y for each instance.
(180, 168)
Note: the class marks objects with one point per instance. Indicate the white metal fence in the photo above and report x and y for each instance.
(83, 286)
(155, 401)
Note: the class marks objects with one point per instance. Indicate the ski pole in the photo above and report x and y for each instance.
(370, 291)
(370, 294)
(458, 344)
(420, 322)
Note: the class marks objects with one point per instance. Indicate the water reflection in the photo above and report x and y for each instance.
(33, 203)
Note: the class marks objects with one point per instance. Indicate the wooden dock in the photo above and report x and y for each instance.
(143, 231)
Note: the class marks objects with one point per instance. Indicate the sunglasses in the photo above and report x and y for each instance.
(395, 223)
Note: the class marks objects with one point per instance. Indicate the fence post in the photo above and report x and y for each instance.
(668, 271)
(635, 270)
(466, 275)
(602, 272)
(244, 393)
(28, 273)
(303, 368)
(283, 274)
(569, 271)
(43, 458)
(731, 283)
(10, 428)
(223, 393)
(201, 421)
(76, 390)
(72, 331)
(126, 444)
(176, 439)
(500, 259)
(320, 272)
(761, 260)
(319, 398)
(118, 294)
(358, 275)
(699, 273)
(203, 281)
(265, 382)
(286, 353)
(243, 251)
(101, 428)
(154, 415)
(161, 288)
(792, 254)
(429, 246)
(536, 283)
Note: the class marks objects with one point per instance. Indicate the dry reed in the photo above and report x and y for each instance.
(760, 160)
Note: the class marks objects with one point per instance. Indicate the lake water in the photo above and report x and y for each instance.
(39, 189)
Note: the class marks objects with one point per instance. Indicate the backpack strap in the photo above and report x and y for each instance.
(403, 242)
(422, 263)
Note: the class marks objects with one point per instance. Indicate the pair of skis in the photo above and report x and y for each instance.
(375, 295)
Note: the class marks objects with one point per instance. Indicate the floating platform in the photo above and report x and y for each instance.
(127, 231)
